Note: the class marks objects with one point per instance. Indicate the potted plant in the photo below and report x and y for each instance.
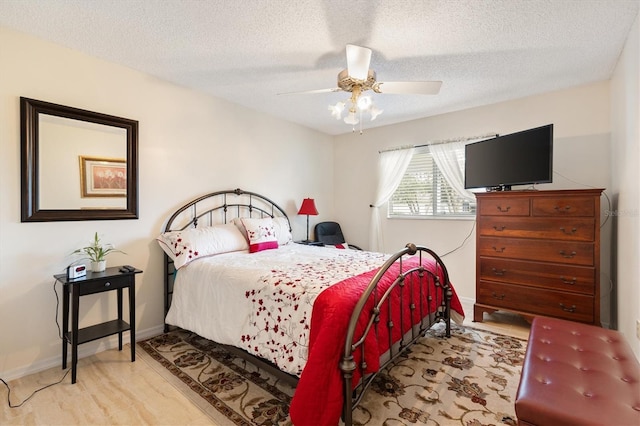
(96, 253)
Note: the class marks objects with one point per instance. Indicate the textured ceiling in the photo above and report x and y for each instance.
(251, 51)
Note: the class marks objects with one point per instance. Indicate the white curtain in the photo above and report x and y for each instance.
(451, 165)
(391, 168)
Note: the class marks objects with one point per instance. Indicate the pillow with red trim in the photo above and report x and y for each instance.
(261, 234)
(280, 225)
(186, 246)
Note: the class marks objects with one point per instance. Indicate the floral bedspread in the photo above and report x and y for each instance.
(279, 323)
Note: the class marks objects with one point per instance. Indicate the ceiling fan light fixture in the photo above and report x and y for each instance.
(336, 110)
(364, 102)
(374, 111)
(351, 118)
(358, 105)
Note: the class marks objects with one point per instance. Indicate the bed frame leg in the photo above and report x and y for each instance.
(347, 366)
(448, 297)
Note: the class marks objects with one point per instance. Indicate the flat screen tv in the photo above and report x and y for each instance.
(521, 158)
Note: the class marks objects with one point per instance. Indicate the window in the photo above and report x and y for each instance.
(425, 192)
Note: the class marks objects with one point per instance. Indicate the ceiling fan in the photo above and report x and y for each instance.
(358, 78)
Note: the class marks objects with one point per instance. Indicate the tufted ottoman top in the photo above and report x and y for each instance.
(578, 374)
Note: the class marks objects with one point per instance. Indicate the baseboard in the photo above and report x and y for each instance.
(467, 300)
(84, 350)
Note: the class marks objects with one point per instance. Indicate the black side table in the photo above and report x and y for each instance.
(96, 282)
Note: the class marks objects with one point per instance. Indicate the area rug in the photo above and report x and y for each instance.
(469, 379)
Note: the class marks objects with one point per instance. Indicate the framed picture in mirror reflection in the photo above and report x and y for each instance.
(103, 177)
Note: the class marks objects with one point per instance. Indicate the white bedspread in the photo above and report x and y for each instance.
(262, 302)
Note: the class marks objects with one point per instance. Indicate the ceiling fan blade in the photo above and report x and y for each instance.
(311, 92)
(409, 87)
(358, 60)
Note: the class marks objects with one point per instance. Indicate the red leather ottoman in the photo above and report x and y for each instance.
(577, 374)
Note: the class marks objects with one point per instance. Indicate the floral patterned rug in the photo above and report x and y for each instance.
(470, 379)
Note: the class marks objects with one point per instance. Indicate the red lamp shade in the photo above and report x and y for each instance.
(308, 207)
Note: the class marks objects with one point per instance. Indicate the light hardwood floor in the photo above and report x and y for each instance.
(111, 390)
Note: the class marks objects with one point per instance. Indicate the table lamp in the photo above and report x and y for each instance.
(308, 207)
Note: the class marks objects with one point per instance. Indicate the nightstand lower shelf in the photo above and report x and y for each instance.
(99, 331)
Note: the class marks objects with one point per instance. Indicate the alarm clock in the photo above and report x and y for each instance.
(76, 271)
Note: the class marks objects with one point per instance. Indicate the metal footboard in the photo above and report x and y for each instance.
(418, 287)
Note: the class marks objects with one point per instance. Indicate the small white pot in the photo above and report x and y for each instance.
(99, 266)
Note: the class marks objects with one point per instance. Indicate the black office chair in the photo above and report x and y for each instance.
(330, 233)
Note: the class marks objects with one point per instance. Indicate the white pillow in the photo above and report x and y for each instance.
(238, 223)
(283, 232)
(280, 225)
(191, 244)
(261, 234)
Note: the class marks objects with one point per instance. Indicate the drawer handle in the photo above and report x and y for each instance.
(567, 309)
(498, 272)
(567, 255)
(503, 210)
(499, 250)
(499, 228)
(573, 231)
(497, 296)
(572, 281)
(107, 284)
(560, 209)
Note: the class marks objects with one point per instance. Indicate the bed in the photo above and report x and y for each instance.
(323, 319)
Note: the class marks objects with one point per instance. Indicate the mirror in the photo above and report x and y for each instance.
(77, 164)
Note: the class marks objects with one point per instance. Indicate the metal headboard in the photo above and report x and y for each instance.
(210, 209)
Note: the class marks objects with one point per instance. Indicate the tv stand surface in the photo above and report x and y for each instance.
(499, 188)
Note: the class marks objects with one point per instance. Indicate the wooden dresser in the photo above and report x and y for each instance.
(538, 253)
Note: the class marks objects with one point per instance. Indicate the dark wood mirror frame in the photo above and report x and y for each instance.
(30, 147)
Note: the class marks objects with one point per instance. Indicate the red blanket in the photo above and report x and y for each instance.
(318, 397)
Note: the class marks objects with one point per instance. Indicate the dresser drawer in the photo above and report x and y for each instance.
(110, 283)
(571, 229)
(564, 206)
(579, 279)
(569, 252)
(504, 206)
(571, 306)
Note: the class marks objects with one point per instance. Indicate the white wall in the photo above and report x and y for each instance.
(189, 144)
(625, 135)
(581, 159)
